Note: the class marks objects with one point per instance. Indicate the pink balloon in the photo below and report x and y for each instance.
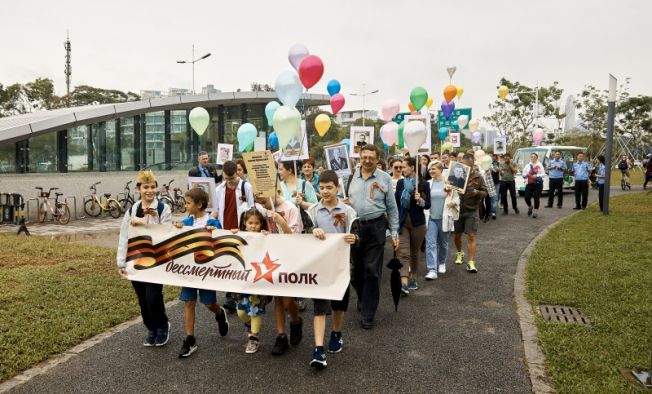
(389, 133)
(337, 102)
(296, 54)
(310, 70)
(390, 109)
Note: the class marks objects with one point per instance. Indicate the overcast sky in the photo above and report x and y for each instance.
(392, 46)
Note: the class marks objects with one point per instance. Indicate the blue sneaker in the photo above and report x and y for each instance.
(318, 358)
(150, 339)
(336, 342)
(162, 336)
(413, 285)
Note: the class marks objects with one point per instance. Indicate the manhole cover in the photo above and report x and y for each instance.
(563, 314)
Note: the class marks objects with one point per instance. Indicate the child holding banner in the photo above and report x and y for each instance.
(291, 223)
(148, 210)
(331, 215)
(251, 308)
(196, 204)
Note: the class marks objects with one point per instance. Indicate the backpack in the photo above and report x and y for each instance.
(622, 165)
(308, 225)
(159, 209)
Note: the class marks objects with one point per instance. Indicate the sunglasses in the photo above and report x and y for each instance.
(397, 167)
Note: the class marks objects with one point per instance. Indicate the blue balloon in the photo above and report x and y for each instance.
(386, 146)
(272, 140)
(443, 133)
(270, 110)
(347, 142)
(333, 87)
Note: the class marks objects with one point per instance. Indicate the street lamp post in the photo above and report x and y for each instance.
(193, 61)
(611, 109)
(364, 94)
(535, 92)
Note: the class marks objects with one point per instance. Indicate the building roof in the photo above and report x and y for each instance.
(20, 127)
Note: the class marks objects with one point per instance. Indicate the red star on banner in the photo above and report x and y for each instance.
(268, 265)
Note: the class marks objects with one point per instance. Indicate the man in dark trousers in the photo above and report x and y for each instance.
(371, 195)
(557, 169)
(205, 170)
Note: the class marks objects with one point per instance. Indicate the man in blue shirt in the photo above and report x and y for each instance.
(581, 170)
(205, 170)
(556, 169)
(371, 195)
(601, 175)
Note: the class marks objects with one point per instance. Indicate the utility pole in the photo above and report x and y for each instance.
(611, 113)
(68, 70)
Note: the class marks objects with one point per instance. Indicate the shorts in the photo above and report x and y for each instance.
(206, 297)
(251, 304)
(467, 223)
(324, 306)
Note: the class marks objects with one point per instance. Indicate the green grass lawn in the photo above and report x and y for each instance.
(54, 295)
(602, 265)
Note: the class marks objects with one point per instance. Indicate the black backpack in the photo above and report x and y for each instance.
(622, 165)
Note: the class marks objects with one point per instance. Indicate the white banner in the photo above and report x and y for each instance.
(293, 265)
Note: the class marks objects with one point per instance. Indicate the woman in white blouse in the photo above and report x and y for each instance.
(533, 174)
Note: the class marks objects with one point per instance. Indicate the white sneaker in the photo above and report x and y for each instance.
(442, 268)
(431, 275)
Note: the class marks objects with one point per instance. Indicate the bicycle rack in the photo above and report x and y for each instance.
(84, 199)
(74, 202)
(27, 211)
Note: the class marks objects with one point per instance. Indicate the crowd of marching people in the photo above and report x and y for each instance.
(406, 201)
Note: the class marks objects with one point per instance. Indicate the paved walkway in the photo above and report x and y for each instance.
(457, 334)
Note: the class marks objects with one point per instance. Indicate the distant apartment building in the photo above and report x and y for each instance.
(345, 118)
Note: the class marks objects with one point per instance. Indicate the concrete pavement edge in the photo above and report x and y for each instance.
(534, 358)
(60, 358)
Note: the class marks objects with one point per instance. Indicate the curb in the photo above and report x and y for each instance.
(45, 366)
(534, 358)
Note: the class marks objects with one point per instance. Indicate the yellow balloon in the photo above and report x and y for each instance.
(460, 92)
(322, 124)
(429, 102)
(503, 91)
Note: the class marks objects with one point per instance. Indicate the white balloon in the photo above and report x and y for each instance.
(451, 71)
(288, 88)
(414, 135)
(473, 125)
(462, 121)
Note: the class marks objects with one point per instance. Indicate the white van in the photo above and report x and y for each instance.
(546, 153)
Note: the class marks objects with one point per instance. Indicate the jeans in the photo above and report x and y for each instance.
(152, 308)
(506, 186)
(494, 203)
(368, 265)
(581, 193)
(436, 245)
(556, 184)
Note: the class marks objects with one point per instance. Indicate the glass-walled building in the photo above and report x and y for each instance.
(122, 137)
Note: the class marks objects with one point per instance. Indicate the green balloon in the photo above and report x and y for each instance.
(418, 97)
(400, 134)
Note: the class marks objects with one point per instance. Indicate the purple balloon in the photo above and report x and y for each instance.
(296, 54)
(447, 108)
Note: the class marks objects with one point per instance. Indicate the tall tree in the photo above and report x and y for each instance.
(89, 95)
(514, 115)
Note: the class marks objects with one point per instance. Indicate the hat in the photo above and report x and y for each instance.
(146, 176)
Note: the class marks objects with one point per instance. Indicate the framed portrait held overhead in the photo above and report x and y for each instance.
(207, 185)
(337, 159)
(458, 176)
(224, 153)
(359, 137)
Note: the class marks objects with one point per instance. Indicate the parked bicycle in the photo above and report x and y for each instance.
(128, 200)
(59, 210)
(175, 201)
(94, 207)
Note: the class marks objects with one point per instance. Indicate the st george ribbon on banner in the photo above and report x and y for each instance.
(293, 265)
